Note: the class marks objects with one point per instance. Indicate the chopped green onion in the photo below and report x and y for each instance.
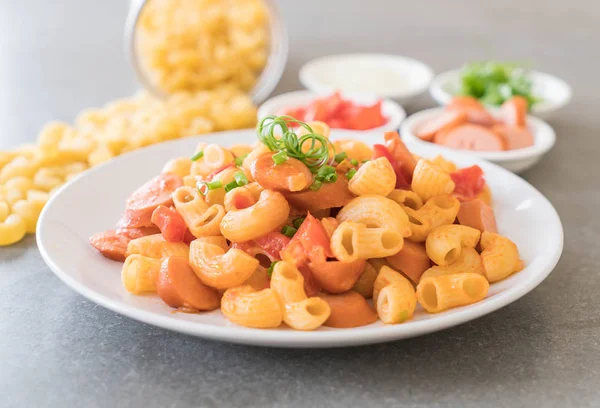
(197, 155)
(240, 160)
(298, 222)
(330, 178)
(270, 270)
(288, 231)
(354, 162)
(213, 185)
(312, 149)
(340, 157)
(280, 157)
(240, 178)
(316, 185)
(231, 186)
(364, 161)
(350, 173)
(324, 171)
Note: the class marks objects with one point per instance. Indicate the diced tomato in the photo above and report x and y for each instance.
(273, 243)
(402, 181)
(368, 117)
(469, 182)
(170, 223)
(400, 152)
(312, 234)
(339, 113)
(311, 285)
(294, 252)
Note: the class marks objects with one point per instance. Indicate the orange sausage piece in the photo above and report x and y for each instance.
(110, 244)
(412, 260)
(515, 137)
(514, 111)
(291, 175)
(445, 121)
(465, 102)
(478, 215)
(348, 310)
(336, 276)
(154, 193)
(330, 195)
(134, 233)
(475, 111)
(179, 287)
(473, 137)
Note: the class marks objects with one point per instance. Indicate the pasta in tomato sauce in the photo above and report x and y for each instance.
(274, 251)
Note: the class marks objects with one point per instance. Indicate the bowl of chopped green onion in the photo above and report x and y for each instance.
(494, 82)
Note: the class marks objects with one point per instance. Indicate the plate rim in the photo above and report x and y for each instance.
(292, 338)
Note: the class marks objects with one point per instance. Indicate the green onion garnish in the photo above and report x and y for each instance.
(354, 162)
(319, 146)
(197, 155)
(231, 186)
(210, 185)
(316, 185)
(288, 231)
(364, 161)
(340, 157)
(325, 171)
(298, 221)
(240, 160)
(280, 157)
(240, 178)
(350, 173)
(270, 270)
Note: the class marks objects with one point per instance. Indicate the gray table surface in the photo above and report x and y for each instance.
(59, 350)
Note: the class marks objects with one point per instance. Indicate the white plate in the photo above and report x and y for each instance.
(517, 160)
(389, 108)
(555, 92)
(94, 201)
(382, 75)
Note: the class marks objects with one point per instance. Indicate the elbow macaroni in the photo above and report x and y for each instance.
(430, 180)
(500, 256)
(376, 211)
(444, 244)
(140, 273)
(218, 267)
(351, 241)
(440, 293)
(374, 177)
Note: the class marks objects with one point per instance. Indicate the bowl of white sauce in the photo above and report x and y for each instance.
(378, 75)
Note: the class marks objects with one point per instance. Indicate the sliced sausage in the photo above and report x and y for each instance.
(110, 244)
(445, 121)
(152, 194)
(474, 110)
(134, 233)
(330, 195)
(412, 260)
(349, 309)
(179, 287)
(515, 137)
(477, 214)
(337, 276)
(291, 175)
(473, 137)
(514, 111)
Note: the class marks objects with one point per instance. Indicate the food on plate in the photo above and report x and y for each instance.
(466, 124)
(340, 113)
(31, 173)
(292, 231)
(493, 83)
(194, 45)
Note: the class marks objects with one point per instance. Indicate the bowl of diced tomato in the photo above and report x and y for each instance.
(339, 111)
(507, 136)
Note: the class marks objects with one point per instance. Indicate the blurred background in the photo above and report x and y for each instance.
(59, 57)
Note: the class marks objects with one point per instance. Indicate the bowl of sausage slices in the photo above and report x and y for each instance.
(507, 136)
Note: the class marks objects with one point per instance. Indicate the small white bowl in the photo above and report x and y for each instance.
(390, 109)
(555, 92)
(517, 160)
(385, 76)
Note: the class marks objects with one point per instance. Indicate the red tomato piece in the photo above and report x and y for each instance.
(273, 243)
(402, 180)
(469, 182)
(188, 237)
(368, 117)
(170, 223)
(311, 234)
